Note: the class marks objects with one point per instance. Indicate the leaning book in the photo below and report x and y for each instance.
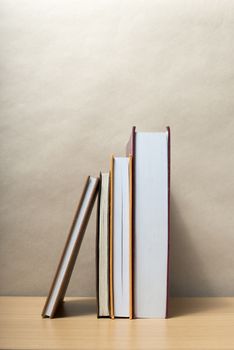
(72, 247)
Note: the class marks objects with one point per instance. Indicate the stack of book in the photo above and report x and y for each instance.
(133, 230)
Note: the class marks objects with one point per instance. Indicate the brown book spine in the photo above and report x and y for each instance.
(74, 253)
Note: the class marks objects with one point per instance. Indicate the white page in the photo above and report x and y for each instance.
(151, 225)
(103, 284)
(121, 237)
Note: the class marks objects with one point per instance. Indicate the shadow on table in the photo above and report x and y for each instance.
(190, 306)
(188, 277)
(77, 307)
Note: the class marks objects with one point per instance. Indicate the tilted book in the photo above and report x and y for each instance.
(72, 247)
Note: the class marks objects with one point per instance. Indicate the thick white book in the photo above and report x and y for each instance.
(151, 221)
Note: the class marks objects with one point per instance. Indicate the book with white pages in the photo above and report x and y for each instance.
(103, 248)
(121, 238)
(151, 222)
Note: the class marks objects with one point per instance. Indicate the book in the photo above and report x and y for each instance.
(121, 237)
(103, 246)
(71, 249)
(151, 222)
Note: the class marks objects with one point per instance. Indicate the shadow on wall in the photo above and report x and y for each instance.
(187, 272)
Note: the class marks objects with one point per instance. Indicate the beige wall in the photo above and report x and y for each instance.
(75, 77)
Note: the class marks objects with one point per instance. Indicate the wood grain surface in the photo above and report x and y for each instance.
(194, 323)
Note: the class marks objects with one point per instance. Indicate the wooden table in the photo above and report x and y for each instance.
(195, 323)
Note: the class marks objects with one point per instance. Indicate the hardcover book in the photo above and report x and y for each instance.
(103, 246)
(151, 222)
(121, 237)
(71, 249)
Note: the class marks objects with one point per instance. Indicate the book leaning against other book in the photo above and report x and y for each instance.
(71, 249)
(151, 222)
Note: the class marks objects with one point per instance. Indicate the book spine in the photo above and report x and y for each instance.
(111, 238)
(97, 245)
(131, 151)
(169, 214)
(130, 243)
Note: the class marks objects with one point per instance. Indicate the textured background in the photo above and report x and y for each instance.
(75, 77)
